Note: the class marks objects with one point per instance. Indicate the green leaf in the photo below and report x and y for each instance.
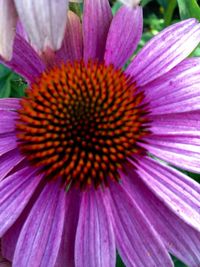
(189, 9)
(5, 78)
(145, 2)
(178, 263)
(115, 7)
(119, 262)
(5, 87)
(11, 84)
(163, 3)
(18, 86)
(77, 8)
(169, 12)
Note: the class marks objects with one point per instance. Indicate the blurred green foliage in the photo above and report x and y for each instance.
(157, 15)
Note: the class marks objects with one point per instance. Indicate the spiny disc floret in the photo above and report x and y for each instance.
(79, 122)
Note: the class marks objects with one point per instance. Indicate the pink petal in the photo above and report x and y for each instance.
(137, 242)
(177, 90)
(130, 3)
(185, 124)
(8, 142)
(9, 104)
(40, 238)
(10, 238)
(165, 51)
(4, 262)
(123, 36)
(174, 188)
(95, 245)
(8, 20)
(179, 154)
(15, 192)
(72, 46)
(21, 31)
(8, 161)
(180, 239)
(25, 60)
(97, 17)
(7, 122)
(67, 247)
(44, 21)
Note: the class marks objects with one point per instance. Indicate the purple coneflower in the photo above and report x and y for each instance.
(82, 168)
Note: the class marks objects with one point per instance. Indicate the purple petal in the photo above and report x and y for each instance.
(173, 188)
(72, 46)
(44, 21)
(8, 142)
(177, 90)
(123, 36)
(21, 31)
(95, 244)
(9, 104)
(7, 122)
(10, 238)
(181, 151)
(184, 124)
(67, 247)
(3, 261)
(15, 192)
(45, 223)
(137, 242)
(97, 17)
(165, 51)
(25, 60)
(8, 161)
(180, 239)
(8, 21)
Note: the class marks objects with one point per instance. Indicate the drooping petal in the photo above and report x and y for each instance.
(123, 36)
(8, 20)
(44, 21)
(176, 91)
(180, 239)
(130, 3)
(15, 192)
(97, 17)
(67, 247)
(95, 244)
(8, 161)
(25, 60)
(45, 223)
(165, 51)
(137, 242)
(175, 189)
(72, 46)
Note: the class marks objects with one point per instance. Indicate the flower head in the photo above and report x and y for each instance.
(85, 154)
